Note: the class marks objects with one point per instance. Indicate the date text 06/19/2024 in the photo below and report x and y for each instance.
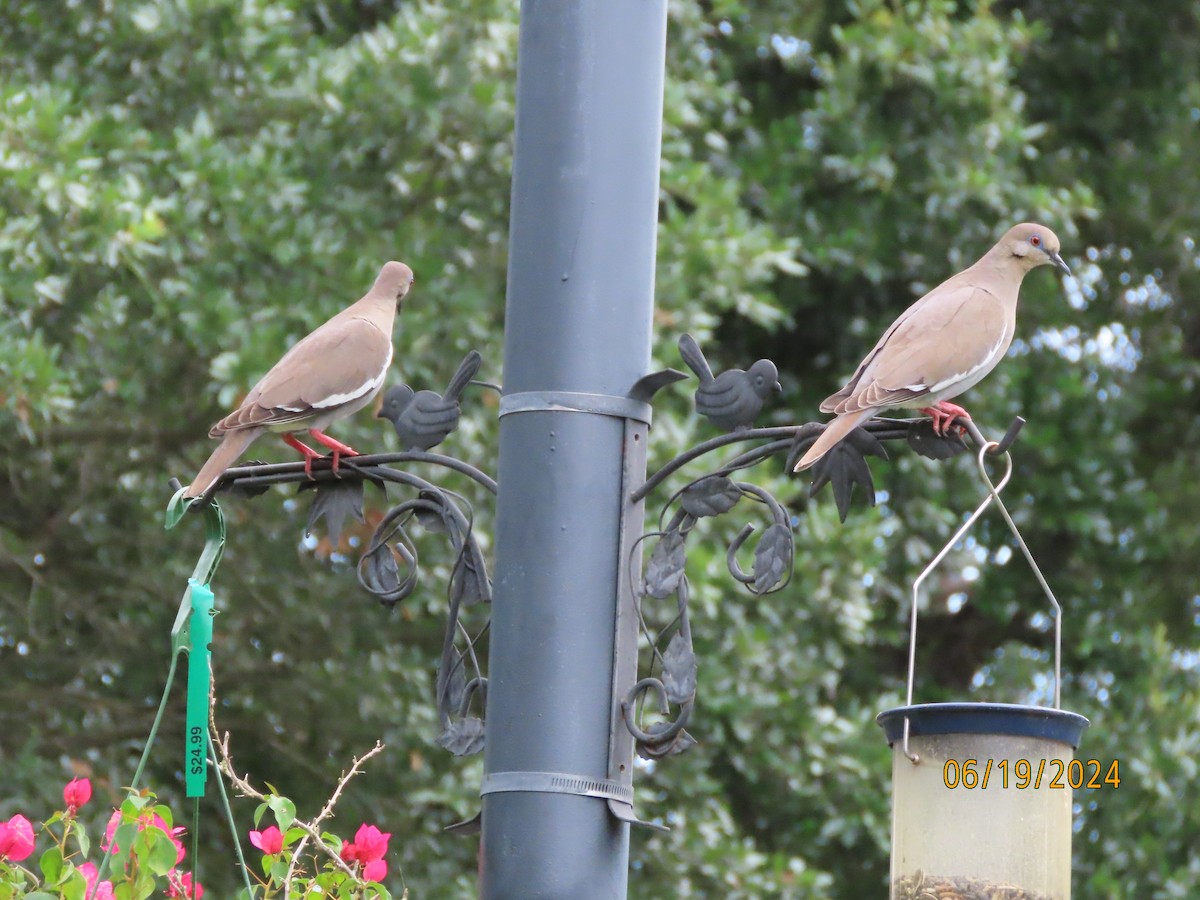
(1055, 774)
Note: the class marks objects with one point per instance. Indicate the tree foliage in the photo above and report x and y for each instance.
(187, 186)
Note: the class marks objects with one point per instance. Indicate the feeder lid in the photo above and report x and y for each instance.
(1010, 719)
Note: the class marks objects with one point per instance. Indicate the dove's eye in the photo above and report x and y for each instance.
(1035, 240)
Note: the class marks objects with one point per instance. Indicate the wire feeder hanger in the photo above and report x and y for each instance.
(990, 448)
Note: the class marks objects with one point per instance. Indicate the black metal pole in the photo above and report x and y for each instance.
(577, 338)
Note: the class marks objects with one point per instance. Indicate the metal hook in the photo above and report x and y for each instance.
(995, 448)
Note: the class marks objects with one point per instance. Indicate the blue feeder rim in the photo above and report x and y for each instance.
(1011, 719)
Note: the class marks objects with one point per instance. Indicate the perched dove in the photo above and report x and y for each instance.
(944, 343)
(333, 372)
(423, 419)
(733, 399)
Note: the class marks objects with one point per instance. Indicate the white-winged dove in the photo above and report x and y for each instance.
(333, 372)
(944, 343)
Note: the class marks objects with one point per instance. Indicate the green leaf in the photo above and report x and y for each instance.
(330, 879)
(284, 809)
(75, 887)
(82, 840)
(258, 814)
(125, 837)
(279, 870)
(292, 835)
(51, 865)
(39, 895)
(135, 803)
(145, 885)
(163, 853)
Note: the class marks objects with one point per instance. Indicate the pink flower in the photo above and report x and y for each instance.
(269, 840)
(110, 829)
(368, 847)
(16, 838)
(103, 892)
(181, 886)
(376, 870)
(372, 843)
(77, 792)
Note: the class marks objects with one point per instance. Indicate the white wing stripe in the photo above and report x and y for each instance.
(367, 387)
(985, 363)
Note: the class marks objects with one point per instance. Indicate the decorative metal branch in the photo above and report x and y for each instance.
(732, 400)
(389, 567)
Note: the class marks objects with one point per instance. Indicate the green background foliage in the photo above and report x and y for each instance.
(187, 186)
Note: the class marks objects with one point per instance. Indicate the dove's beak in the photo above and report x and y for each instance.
(778, 388)
(1058, 263)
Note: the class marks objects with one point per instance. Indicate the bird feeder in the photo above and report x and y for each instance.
(981, 804)
(981, 792)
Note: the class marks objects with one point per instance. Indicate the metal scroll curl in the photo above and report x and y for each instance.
(390, 569)
(672, 682)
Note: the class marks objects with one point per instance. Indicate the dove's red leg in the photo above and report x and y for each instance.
(309, 453)
(945, 413)
(339, 449)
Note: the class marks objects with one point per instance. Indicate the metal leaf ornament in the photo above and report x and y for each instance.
(334, 502)
(471, 578)
(710, 496)
(666, 565)
(661, 750)
(845, 466)
(379, 572)
(928, 443)
(463, 737)
(772, 558)
(248, 490)
(679, 669)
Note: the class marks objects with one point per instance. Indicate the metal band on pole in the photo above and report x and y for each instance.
(556, 783)
(575, 401)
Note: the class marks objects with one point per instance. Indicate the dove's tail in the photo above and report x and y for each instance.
(227, 453)
(694, 357)
(833, 434)
(466, 371)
